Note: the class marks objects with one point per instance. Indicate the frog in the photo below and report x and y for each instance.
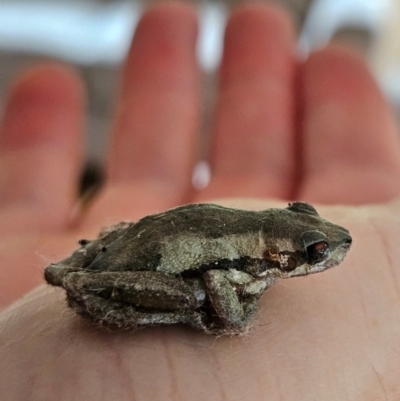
(201, 264)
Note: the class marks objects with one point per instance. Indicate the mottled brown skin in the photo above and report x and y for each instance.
(200, 264)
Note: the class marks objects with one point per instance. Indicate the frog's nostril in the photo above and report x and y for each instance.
(347, 242)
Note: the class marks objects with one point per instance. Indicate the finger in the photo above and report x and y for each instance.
(252, 147)
(153, 144)
(40, 148)
(158, 113)
(351, 148)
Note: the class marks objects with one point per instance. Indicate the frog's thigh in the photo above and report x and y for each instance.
(91, 296)
(124, 315)
(150, 290)
(235, 314)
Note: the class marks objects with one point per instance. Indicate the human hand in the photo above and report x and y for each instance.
(327, 336)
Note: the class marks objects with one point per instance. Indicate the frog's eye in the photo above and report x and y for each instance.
(317, 252)
(316, 246)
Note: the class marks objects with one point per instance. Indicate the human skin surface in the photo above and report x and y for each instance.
(317, 130)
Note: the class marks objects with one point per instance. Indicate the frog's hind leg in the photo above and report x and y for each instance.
(133, 300)
(121, 315)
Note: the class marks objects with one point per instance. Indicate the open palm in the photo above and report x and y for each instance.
(317, 130)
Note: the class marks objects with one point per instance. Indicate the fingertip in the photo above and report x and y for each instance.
(274, 14)
(341, 71)
(48, 82)
(46, 90)
(170, 8)
(273, 17)
(165, 36)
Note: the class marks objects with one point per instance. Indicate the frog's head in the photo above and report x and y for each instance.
(313, 245)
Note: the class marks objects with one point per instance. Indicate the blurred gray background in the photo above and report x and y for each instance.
(94, 35)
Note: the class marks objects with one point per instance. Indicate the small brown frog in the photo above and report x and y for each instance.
(200, 264)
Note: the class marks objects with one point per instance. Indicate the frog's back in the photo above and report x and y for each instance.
(178, 235)
(208, 220)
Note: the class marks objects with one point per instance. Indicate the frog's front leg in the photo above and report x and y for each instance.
(234, 295)
(134, 299)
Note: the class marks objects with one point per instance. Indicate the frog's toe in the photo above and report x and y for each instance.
(56, 272)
